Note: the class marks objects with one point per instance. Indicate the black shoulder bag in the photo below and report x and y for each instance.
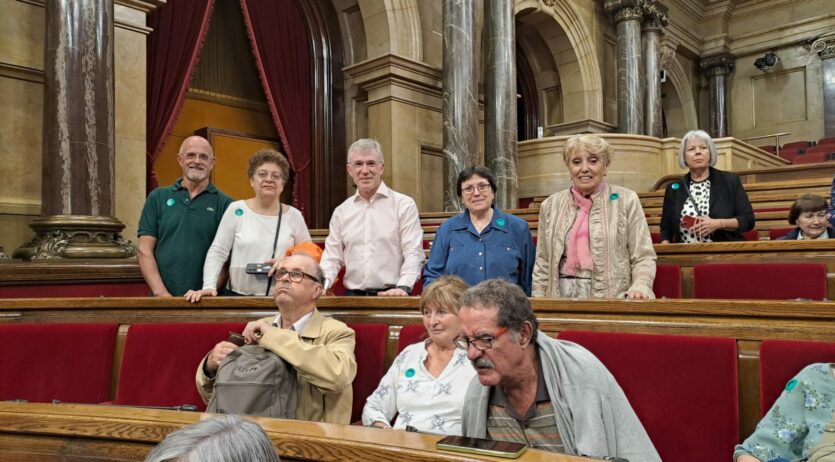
(275, 244)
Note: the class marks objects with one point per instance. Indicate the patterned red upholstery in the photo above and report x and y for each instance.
(370, 352)
(160, 361)
(684, 389)
(72, 363)
(667, 281)
(762, 281)
(410, 334)
(780, 360)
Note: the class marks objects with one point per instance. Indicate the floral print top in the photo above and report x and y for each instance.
(793, 426)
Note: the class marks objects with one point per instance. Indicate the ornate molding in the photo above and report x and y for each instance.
(76, 236)
(624, 10)
(717, 65)
(825, 46)
(655, 15)
(668, 51)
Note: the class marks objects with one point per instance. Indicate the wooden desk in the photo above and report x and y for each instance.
(86, 432)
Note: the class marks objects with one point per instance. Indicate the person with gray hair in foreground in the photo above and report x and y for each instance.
(226, 438)
(549, 394)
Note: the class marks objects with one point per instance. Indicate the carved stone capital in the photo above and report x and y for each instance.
(76, 236)
(655, 15)
(624, 10)
(716, 65)
(668, 51)
(825, 46)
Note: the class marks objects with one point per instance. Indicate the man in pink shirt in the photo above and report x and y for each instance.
(375, 233)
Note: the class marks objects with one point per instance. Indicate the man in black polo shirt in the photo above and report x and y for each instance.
(179, 222)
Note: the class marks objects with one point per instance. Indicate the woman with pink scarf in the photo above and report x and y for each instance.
(594, 241)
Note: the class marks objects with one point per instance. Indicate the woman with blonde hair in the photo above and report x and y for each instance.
(425, 385)
(594, 241)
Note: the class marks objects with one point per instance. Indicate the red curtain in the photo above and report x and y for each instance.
(179, 28)
(281, 47)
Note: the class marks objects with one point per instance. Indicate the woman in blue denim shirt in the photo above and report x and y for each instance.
(482, 242)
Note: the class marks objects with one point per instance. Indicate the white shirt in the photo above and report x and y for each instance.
(380, 242)
(299, 325)
(249, 236)
(408, 390)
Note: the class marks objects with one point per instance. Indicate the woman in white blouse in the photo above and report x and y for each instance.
(425, 385)
(248, 230)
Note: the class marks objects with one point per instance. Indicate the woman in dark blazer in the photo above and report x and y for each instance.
(706, 204)
(808, 213)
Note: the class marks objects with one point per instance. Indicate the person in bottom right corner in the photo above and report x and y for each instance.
(808, 213)
(795, 423)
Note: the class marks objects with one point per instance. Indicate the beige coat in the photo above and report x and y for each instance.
(323, 356)
(621, 246)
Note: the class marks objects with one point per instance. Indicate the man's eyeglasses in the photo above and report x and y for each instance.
(483, 187)
(359, 165)
(295, 275)
(197, 155)
(484, 342)
(263, 175)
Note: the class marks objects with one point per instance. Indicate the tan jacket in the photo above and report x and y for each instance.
(323, 356)
(621, 247)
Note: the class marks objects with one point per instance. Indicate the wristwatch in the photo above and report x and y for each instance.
(406, 289)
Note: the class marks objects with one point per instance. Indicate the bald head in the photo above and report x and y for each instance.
(197, 159)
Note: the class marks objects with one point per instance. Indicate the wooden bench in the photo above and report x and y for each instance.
(85, 432)
(747, 322)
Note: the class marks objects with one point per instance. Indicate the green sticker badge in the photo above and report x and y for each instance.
(239, 212)
(614, 196)
(792, 383)
(675, 186)
(500, 222)
(410, 372)
(170, 202)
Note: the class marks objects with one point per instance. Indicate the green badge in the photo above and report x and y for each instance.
(500, 222)
(170, 202)
(792, 383)
(613, 196)
(410, 372)
(239, 212)
(675, 186)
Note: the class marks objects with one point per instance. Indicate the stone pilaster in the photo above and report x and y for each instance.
(716, 69)
(78, 137)
(460, 94)
(825, 47)
(655, 17)
(627, 15)
(500, 99)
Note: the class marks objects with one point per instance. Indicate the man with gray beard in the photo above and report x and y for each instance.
(549, 394)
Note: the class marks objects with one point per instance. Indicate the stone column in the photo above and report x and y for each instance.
(627, 16)
(500, 99)
(716, 68)
(77, 198)
(460, 94)
(655, 17)
(825, 47)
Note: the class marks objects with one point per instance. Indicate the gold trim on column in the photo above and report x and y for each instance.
(76, 236)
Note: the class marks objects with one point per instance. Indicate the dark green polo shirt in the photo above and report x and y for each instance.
(184, 229)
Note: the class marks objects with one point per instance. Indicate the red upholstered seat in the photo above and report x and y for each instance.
(752, 235)
(790, 154)
(72, 363)
(370, 352)
(410, 334)
(811, 158)
(780, 360)
(774, 233)
(119, 289)
(160, 361)
(770, 148)
(656, 237)
(762, 281)
(667, 281)
(796, 145)
(684, 389)
(827, 141)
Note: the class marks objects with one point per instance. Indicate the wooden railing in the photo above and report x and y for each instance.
(89, 432)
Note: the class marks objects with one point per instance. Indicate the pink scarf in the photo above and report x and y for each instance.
(578, 248)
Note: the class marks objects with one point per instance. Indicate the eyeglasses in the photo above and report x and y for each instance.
(295, 275)
(263, 174)
(195, 155)
(482, 343)
(483, 187)
(370, 164)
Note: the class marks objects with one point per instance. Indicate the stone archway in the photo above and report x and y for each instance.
(392, 27)
(683, 102)
(581, 79)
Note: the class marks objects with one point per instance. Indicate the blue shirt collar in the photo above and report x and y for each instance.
(462, 221)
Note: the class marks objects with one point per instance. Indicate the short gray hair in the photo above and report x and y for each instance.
(227, 438)
(513, 305)
(366, 144)
(700, 135)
